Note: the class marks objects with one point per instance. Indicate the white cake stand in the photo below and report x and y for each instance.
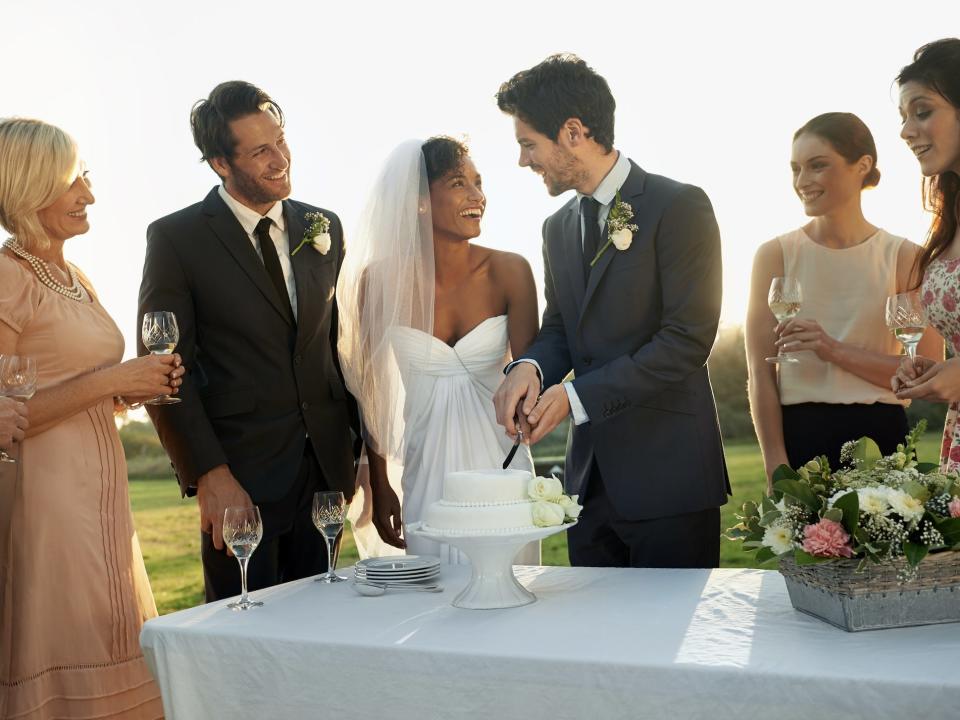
(492, 584)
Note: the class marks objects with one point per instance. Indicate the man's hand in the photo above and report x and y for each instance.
(521, 383)
(939, 383)
(13, 422)
(552, 408)
(216, 491)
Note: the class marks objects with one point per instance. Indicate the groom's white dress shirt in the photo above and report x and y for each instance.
(605, 194)
(248, 219)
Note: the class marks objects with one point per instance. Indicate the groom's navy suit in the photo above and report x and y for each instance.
(637, 332)
(263, 392)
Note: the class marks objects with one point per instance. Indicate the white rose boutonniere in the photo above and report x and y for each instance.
(317, 234)
(545, 488)
(619, 228)
(547, 514)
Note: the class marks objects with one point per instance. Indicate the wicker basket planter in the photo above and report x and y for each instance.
(874, 599)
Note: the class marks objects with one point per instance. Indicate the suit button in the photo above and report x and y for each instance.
(304, 406)
(587, 360)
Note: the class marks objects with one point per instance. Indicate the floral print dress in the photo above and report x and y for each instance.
(940, 299)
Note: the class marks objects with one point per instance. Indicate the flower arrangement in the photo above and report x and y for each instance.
(550, 506)
(317, 234)
(619, 228)
(879, 510)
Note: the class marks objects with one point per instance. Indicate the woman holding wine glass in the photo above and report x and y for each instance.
(13, 422)
(73, 589)
(838, 387)
(930, 111)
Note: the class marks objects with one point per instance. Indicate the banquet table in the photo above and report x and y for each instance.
(598, 643)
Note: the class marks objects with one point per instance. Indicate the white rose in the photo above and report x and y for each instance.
(321, 243)
(547, 514)
(545, 488)
(570, 507)
(906, 506)
(778, 538)
(622, 239)
(873, 500)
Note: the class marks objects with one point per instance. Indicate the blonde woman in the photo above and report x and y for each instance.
(73, 589)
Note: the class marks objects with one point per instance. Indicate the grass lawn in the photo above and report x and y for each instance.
(170, 538)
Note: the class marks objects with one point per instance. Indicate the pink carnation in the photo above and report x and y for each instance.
(827, 539)
(954, 506)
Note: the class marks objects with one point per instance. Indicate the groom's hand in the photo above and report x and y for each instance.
(521, 383)
(553, 407)
(216, 491)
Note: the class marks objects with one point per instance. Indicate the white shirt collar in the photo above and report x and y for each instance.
(607, 189)
(249, 218)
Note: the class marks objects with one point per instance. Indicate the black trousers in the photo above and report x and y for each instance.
(291, 548)
(603, 538)
(814, 429)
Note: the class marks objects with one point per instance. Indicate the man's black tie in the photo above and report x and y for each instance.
(272, 262)
(589, 211)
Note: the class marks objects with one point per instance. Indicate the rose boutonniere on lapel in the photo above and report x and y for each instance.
(317, 234)
(619, 228)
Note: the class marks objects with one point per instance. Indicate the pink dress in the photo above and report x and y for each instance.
(940, 299)
(73, 589)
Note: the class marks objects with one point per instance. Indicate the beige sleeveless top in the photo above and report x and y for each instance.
(846, 292)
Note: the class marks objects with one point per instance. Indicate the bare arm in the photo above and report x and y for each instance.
(141, 378)
(515, 276)
(760, 335)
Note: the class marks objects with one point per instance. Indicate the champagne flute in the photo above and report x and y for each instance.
(242, 532)
(18, 380)
(329, 510)
(907, 320)
(784, 300)
(160, 336)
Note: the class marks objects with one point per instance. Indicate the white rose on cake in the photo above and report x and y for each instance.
(570, 507)
(546, 488)
(547, 514)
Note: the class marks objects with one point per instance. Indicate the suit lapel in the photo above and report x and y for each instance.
(229, 231)
(573, 252)
(629, 191)
(299, 262)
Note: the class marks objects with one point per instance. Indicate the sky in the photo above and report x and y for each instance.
(707, 93)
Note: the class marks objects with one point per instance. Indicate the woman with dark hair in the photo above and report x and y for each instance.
(847, 267)
(428, 320)
(930, 109)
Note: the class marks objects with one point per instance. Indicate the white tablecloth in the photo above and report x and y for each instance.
(598, 644)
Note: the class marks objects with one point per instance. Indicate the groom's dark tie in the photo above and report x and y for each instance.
(271, 261)
(589, 211)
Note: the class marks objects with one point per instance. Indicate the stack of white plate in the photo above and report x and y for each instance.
(398, 570)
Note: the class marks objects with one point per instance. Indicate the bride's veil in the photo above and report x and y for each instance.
(386, 285)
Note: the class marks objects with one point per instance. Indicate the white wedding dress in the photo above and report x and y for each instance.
(450, 423)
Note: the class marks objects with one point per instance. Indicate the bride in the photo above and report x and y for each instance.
(428, 320)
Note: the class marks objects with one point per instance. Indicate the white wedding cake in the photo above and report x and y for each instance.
(497, 501)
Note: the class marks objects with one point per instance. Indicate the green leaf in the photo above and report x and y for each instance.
(866, 450)
(769, 518)
(784, 472)
(799, 490)
(805, 558)
(950, 529)
(914, 553)
(916, 490)
(850, 505)
(924, 468)
(768, 506)
(764, 554)
(835, 514)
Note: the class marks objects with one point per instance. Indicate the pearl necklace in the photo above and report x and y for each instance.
(74, 292)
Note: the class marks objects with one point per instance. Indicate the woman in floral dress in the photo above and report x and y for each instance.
(930, 109)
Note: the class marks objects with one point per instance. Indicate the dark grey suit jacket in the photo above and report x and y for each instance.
(257, 382)
(637, 335)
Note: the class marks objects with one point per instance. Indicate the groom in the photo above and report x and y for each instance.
(265, 417)
(634, 320)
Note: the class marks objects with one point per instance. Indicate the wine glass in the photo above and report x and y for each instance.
(160, 336)
(784, 300)
(329, 509)
(18, 380)
(907, 320)
(242, 532)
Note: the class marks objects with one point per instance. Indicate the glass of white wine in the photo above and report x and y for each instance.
(907, 320)
(242, 532)
(784, 300)
(329, 510)
(18, 380)
(160, 336)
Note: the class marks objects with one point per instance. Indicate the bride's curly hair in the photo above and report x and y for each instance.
(443, 154)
